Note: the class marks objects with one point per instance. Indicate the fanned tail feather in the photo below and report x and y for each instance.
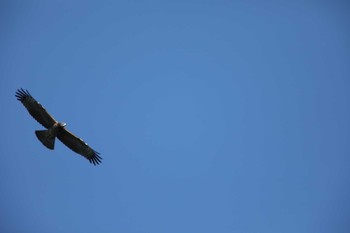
(46, 138)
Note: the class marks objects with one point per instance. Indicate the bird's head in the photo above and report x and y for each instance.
(62, 124)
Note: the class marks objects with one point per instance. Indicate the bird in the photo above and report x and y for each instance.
(55, 129)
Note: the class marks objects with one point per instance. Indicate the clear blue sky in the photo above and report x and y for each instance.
(210, 116)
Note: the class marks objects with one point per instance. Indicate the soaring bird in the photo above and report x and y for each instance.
(55, 129)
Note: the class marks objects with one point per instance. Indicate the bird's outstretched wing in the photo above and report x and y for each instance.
(79, 146)
(35, 108)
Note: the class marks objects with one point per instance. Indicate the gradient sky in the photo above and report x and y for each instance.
(210, 116)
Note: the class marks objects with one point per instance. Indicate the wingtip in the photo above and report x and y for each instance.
(21, 94)
(95, 159)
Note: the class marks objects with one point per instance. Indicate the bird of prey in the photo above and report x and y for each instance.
(55, 129)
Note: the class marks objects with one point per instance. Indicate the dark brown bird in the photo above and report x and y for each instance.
(55, 129)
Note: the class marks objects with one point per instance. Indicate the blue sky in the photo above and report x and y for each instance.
(210, 116)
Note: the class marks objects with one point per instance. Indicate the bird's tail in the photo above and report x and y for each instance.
(46, 138)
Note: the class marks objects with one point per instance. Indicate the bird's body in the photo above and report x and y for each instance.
(55, 129)
(47, 137)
